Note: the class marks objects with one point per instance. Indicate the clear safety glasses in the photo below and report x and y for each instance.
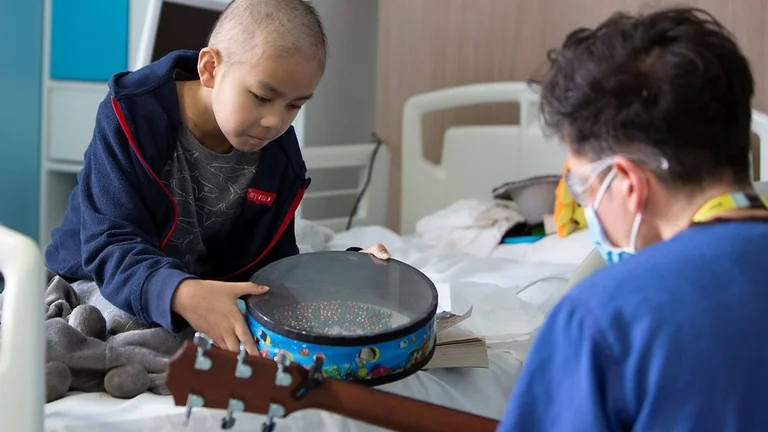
(579, 182)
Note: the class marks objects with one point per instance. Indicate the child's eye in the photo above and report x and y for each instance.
(294, 106)
(261, 99)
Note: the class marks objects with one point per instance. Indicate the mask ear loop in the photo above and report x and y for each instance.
(636, 224)
(603, 188)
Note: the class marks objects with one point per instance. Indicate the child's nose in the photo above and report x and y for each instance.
(271, 121)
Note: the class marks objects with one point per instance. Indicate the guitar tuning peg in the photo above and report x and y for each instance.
(283, 379)
(282, 358)
(193, 401)
(235, 405)
(317, 364)
(313, 380)
(204, 343)
(242, 370)
(275, 410)
(268, 426)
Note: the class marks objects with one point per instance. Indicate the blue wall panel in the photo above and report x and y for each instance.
(21, 26)
(89, 39)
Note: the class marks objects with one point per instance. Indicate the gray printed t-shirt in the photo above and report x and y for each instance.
(209, 189)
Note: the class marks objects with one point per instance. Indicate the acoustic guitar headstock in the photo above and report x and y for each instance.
(203, 375)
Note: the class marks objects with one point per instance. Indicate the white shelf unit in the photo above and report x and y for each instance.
(341, 113)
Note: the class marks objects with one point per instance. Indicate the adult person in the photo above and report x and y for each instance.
(670, 335)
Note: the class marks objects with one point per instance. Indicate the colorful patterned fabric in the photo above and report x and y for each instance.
(569, 215)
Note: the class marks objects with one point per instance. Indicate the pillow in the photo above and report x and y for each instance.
(569, 215)
(533, 196)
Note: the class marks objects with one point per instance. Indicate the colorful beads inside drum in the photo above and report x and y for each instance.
(334, 318)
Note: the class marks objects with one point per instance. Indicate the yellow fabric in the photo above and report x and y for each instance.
(569, 215)
(724, 203)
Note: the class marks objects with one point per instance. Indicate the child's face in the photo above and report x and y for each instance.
(254, 103)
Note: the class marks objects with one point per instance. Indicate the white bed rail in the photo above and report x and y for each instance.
(478, 158)
(22, 338)
(372, 209)
(475, 158)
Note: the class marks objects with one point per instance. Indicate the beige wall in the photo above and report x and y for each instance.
(430, 44)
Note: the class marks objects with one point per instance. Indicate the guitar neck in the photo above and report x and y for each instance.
(213, 385)
(396, 412)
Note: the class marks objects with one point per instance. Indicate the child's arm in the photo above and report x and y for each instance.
(121, 243)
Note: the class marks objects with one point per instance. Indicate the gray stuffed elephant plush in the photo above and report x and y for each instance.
(84, 355)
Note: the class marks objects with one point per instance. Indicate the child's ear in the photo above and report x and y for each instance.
(207, 63)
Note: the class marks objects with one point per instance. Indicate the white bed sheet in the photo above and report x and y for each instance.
(489, 285)
(571, 249)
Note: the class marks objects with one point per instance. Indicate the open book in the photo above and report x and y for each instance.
(457, 348)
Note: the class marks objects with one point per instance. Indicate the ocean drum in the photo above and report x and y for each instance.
(372, 321)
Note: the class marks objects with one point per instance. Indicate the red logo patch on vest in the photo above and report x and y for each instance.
(260, 197)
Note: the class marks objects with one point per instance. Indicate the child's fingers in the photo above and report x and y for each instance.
(230, 342)
(379, 251)
(244, 334)
(245, 288)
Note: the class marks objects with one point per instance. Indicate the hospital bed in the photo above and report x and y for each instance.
(504, 311)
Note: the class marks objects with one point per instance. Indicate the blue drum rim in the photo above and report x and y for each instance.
(381, 379)
(342, 340)
(405, 373)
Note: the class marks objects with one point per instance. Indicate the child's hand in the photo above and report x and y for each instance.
(379, 251)
(210, 307)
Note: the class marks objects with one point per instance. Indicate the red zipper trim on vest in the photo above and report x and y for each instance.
(280, 231)
(127, 130)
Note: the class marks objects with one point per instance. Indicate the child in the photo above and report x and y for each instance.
(194, 173)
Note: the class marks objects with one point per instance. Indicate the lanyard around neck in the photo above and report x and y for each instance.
(727, 202)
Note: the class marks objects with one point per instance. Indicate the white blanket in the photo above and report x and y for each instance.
(471, 226)
(311, 237)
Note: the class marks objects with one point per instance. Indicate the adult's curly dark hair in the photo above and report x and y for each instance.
(673, 82)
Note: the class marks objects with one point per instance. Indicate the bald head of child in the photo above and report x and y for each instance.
(247, 28)
(263, 61)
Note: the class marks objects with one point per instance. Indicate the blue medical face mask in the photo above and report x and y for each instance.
(611, 254)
